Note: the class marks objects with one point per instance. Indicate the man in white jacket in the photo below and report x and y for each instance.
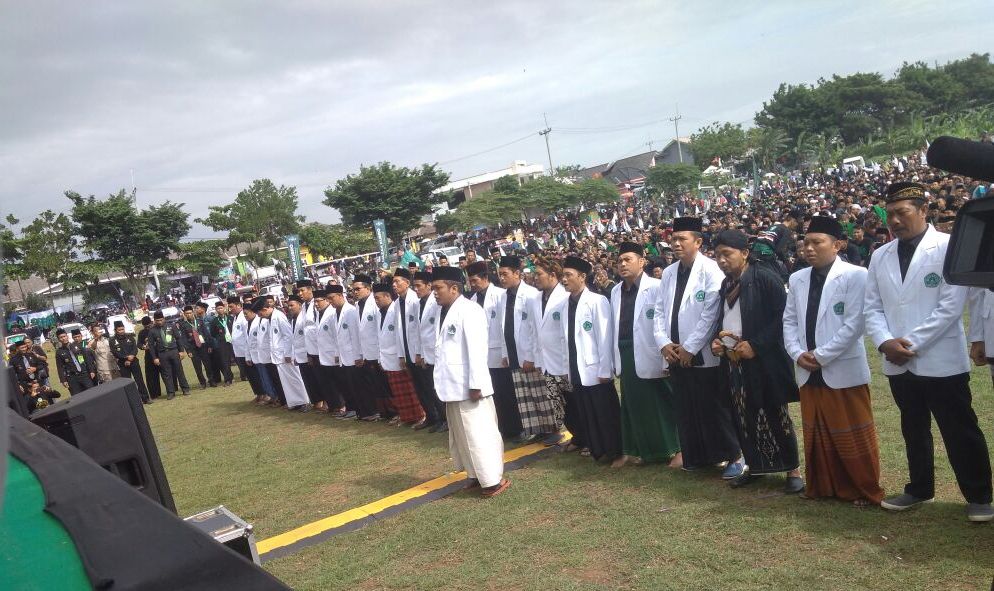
(823, 333)
(281, 352)
(915, 320)
(462, 380)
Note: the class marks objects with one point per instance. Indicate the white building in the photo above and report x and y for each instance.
(470, 187)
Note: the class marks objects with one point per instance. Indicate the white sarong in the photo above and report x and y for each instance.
(474, 440)
(293, 384)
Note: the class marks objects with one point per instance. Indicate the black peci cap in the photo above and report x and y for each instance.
(510, 262)
(362, 278)
(688, 224)
(904, 190)
(631, 247)
(822, 224)
(577, 264)
(332, 289)
(382, 288)
(447, 274)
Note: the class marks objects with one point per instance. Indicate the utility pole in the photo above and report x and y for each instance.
(545, 132)
(134, 189)
(676, 128)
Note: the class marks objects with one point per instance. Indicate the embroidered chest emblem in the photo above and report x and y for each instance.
(390, 327)
(588, 325)
(650, 313)
(431, 320)
(300, 332)
(555, 316)
(275, 331)
(932, 280)
(451, 330)
(369, 317)
(493, 313)
(345, 326)
(699, 296)
(325, 327)
(839, 308)
(524, 315)
(410, 317)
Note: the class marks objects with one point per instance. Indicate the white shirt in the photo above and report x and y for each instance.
(239, 335)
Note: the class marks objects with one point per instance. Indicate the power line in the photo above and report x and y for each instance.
(488, 150)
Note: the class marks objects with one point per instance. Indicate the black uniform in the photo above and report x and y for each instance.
(192, 333)
(163, 344)
(125, 350)
(152, 383)
(221, 354)
(35, 358)
(75, 364)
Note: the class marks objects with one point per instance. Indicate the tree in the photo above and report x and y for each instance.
(200, 257)
(10, 249)
(400, 196)
(769, 143)
(672, 178)
(507, 184)
(567, 171)
(49, 245)
(262, 212)
(337, 240)
(126, 239)
(725, 141)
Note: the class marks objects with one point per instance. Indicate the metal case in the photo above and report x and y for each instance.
(228, 529)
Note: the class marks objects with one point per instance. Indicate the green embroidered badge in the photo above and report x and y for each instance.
(524, 315)
(839, 308)
(650, 313)
(932, 280)
(588, 325)
(369, 317)
(451, 330)
(699, 296)
(555, 315)
(390, 327)
(345, 326)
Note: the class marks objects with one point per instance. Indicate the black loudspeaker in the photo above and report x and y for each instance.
(970, 255)
(108, 424)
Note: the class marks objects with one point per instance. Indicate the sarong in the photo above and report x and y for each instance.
(474, 440)
(766, 432)
(704, 416)
(599, 413)
(648, 425)
(538, 416)
(841, 457)
(556, 390)
(293, 384)
(405, 399)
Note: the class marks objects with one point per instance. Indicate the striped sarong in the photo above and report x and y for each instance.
(538, 414)
(405, 399)
(841, 458)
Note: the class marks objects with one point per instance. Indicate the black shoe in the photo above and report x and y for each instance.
(170, 396)
(423, 424)
(443, 427)
(213, 385)
(186, 392)
(147, 401)
(903, 502)
(742, 480)
(203, 386)
(793, 485)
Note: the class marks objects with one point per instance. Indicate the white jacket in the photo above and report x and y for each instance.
(252, 339)
(280, 337)
(239, 335)
(982, 318)
(493, 308)
(327, 337)
(369, 323)
(523, 322)
(299, 325)
(308, 320)
(460, 353)
(412, 309)
(428, 327)
(550, 340)
(263, 344)
(594, 335)
(389, 356)
(839, 328)
(923, 308)
(649, 362)
(698, 310)
(348, 335)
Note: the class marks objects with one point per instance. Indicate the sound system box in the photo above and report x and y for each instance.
(109, 425)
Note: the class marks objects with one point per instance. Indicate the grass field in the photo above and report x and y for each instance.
(566, 523)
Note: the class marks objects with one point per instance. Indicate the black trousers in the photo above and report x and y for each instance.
(79, 382)
(152, 382)
(243, 368)
(948, 400)
(424, 386)
(202, 365)
(312, 383)
(371, 384)
(221, 363)
(134, 371)
(172, 371)
(251, 373)
(508, 418)
(363, 397)
(330, 390)
(704, 416)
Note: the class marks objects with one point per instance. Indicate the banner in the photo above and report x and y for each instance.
(380, 228)
(293, 251)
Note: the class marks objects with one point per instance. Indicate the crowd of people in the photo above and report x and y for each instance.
(713, 318)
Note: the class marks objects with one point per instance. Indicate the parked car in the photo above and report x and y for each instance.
(71, 326)
(129, 326)
(275, 290)
(451, 252)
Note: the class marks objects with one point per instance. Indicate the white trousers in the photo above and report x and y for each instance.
(474, 441)
(293, 384)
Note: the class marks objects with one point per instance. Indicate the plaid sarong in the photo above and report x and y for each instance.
(405, 399)
(538, 415)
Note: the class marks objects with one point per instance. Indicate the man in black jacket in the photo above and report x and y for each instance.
(152, 383)
(30, 363)
(75, 363)
(163, 344)
(198, 344)
(124, 347)
(220, 331)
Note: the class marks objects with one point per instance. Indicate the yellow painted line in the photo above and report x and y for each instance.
(369, 509)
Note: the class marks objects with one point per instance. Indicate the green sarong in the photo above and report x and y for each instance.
(648, 421)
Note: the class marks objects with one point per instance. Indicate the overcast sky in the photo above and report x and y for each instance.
(198, 98)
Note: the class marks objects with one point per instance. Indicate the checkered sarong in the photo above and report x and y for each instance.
(538, 415)
(404, 398)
